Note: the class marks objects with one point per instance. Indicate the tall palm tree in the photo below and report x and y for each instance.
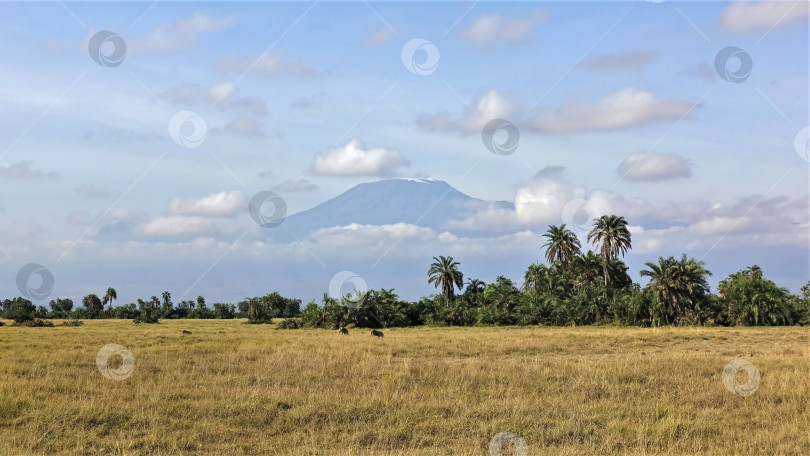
(109, 297)
(444, 271)
(562, 244)
(611, 233)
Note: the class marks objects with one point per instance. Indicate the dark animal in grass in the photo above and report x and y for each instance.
(343, 331)
(376, 333)
(185, 331)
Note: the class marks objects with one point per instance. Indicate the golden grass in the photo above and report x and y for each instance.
(233, 388)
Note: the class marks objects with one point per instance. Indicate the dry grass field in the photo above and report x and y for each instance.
(234, 388)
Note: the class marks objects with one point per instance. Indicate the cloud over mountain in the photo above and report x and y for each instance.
(354, 159)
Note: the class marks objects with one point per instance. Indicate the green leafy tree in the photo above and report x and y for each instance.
(92, 303)
(223, 311)
(750, 299)
(61, 307)
(19, 309)
(167, 306)
(534, 278)
(444, 272)
(562, 245)
(148, 311)
(680, 287)
(110, 296)
(611, 236)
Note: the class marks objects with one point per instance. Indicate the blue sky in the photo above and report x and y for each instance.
(619, 107)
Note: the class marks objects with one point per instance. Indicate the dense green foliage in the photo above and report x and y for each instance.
(574, 288)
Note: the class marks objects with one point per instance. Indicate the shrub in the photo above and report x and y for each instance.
(35, 323)
(288, 323)
(72, 323)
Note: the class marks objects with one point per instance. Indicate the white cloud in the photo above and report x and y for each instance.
(175, 225)
(222, 204)
(490, 105)
(371, 235)
(270, 64)
(354, 159)
(292, 185)
(541, 201)
(626, 108)
(168, 38)
(653, 166)
(748, 16)
(623, 109)
(221, 92)
(25, 170)
(491, 28)
(720, 225)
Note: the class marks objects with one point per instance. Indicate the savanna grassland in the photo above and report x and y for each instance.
(234, 388)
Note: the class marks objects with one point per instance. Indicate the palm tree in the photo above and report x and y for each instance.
(109, 297)
(533, 278)
(806, 291)
(200, 302)
(444, 271)
(93, 304)
(751, 299)
(474, 286)
(611, 232)
(562, 244)
(677, 283)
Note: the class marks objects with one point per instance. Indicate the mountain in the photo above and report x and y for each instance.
(428, 203)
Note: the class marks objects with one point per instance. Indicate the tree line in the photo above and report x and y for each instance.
(572, 288)
(578, 288)
(257, 310)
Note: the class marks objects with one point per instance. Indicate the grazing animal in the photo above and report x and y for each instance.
(376, 333)
(343, 331)
(185, 331)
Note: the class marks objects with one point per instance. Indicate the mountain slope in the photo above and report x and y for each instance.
(424, 202)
